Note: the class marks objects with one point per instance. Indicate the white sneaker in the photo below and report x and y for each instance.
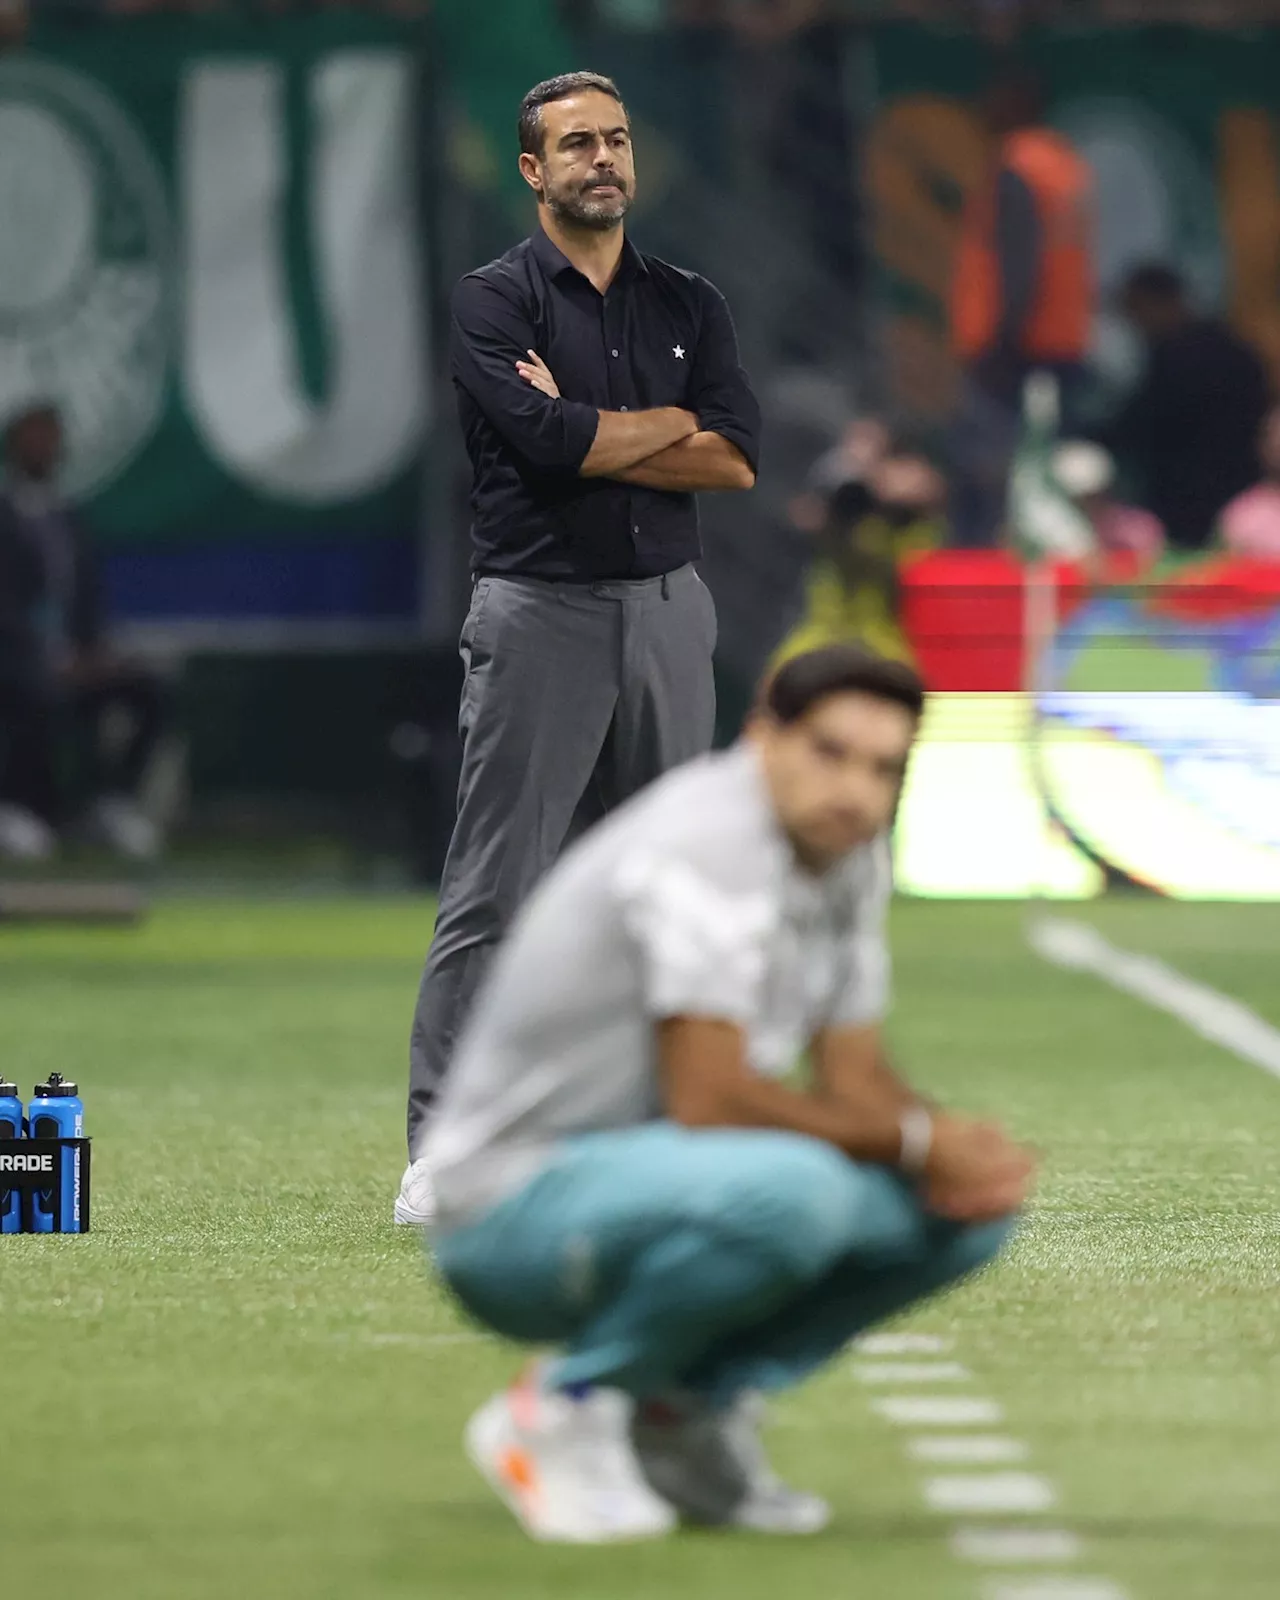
(711, 1465)
(25, 836)
(416, 1202)
(120, 824)
(770, 1506)
(565, 1467)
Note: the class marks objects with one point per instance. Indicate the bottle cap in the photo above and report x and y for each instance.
(8, 1090)
(56, 1088)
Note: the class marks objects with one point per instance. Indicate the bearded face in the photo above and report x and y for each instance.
(586, 172)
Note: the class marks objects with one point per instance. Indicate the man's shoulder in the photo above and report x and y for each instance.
(508, 274)
(681, 280)
(711, 814)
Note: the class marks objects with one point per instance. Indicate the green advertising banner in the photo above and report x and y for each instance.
(211, 260)
(1180, 126)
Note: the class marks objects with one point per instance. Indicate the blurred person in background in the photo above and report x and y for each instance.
(889, 509)
(599, 390)
(627, 1171)
(1190, 429)
(1086, 473)
(1250, 525)
(862, 445)
(60, 681)
(14, 22)
(1022, 294)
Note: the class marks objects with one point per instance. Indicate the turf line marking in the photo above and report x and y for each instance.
(911, 1411)
(911, 1372)
(1208, 1012)
(977, 1494)
(967, 1449)
(903, 1344)
(1056, 1589)
(412, 1341)
(994, 1547)
(989, 1491)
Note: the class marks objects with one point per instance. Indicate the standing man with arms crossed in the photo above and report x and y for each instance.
(599, 389)
(624, 1172)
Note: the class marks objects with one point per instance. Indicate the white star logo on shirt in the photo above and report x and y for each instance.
(677, 350)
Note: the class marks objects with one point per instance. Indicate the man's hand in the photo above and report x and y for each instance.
(536, 372)
(974, 1173)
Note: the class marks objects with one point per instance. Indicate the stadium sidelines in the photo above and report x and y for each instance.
(1208, 1012)
(975, 1491)
(972, 1491)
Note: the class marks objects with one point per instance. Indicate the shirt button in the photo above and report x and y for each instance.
(613, 352)
(635, 527)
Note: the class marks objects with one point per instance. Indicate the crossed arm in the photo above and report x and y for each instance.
(703, 460)
(668, 448)
(661, 449)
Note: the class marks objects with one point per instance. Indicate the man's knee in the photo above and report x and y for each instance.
(810, 1207)
(969, 1247)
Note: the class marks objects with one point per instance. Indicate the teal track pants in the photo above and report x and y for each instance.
(717, 1259)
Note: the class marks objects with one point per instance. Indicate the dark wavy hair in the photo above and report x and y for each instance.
(532, 138)
(799, 684)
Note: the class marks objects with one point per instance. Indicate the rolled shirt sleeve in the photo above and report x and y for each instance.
(490, 333)
(722, 395)
(702, 949)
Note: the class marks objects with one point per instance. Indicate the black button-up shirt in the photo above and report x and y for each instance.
(659, 337)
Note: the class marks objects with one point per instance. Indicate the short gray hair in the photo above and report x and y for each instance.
(532, 138)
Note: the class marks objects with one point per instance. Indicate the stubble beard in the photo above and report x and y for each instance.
(577, 210)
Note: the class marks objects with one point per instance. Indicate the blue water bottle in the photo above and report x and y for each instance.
(10, 1128)
(57, 1112)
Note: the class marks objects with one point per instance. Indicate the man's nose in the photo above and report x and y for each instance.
(603, 155)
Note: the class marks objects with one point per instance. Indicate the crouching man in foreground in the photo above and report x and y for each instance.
(624, 1173)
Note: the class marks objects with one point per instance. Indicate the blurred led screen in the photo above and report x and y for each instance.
(1177, 791)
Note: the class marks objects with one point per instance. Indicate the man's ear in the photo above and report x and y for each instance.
(531, 172)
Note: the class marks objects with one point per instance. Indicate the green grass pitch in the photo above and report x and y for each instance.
(244, 1383)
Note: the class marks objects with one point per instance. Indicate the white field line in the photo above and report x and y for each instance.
(1211, 1014)
(902, 1344)
(1055, 1589)
(411, 1341)
(990, 1491)
(879, 1372)
(966, 1449)
(979, 1494)
(1008, 1547)
(945, 1411)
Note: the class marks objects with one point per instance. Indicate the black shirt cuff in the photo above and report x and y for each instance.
(737, 433)
(581, 422)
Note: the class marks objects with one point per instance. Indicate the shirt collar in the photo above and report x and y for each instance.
(554, 262)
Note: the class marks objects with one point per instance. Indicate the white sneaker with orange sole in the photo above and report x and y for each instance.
(565, 1466)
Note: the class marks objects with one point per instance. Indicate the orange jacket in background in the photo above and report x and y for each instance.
(1057, 326)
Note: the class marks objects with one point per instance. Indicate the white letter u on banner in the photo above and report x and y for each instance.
(242, 376)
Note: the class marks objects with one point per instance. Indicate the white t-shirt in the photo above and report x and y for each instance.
(687, 901)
